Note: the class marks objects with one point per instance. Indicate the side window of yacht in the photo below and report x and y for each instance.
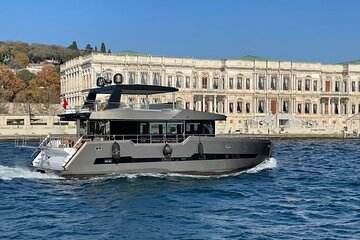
(192, 128)
(208, 127)
(157, 128)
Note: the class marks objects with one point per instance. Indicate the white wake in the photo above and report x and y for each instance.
(10, 173)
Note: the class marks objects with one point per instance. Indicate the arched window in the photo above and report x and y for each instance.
(144, 78)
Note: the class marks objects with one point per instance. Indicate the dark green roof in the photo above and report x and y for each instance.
(131, 53)
(351, 62)
(255, 58)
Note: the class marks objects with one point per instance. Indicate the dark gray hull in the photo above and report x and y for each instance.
(216, 156)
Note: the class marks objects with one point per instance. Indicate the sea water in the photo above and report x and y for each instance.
(310, 189)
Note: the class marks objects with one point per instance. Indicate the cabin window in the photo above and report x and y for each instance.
(157, 128)
(208, 127)
(174, 128)
(144, 128)
(192, 128)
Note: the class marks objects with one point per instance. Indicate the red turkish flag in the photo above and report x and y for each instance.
(65, 103)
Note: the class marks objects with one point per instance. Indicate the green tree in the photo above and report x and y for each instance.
(74, 46)
(26, 76)
(109, 51)
(102, 48)
(88, 47)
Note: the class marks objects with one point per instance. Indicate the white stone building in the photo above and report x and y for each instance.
(246, 90)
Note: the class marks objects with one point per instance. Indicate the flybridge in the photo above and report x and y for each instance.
(105, 86)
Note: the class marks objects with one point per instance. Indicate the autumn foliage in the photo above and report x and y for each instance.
(44, 88)
(10, 85)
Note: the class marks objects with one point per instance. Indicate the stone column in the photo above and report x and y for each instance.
(215, 104)
(329, 107)
(203, 104)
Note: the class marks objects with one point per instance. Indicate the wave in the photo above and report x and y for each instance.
(10, 173)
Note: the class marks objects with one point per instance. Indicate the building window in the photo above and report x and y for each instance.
(314, 108)
(239, 83)
(169, 81)
(337, 86)
(239, 107)
(195, 82)
(178, 83)
(358, 86)
(231, 107)
(286, 107)
(353, 86)
(231, 83)
(359, 108)
(353, 109)
(315, 86)
(144, 78)
(273, 83)
(299, 85)
(216, 83)
(247, 107)
(248, 84)
(307, 108)
(187, 82)
(261, 106)
(307, 84)
(156, 78)
(299, 108)
(261, 82)
(131, 77)
(204, 82)
(286, 83)
(336, 108)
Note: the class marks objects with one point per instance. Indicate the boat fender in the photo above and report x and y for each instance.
(200, 149)
(116, 152)
(167, 150)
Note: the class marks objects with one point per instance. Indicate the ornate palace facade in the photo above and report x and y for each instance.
(244, 90)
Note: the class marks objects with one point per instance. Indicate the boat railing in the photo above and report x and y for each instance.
(146, 138)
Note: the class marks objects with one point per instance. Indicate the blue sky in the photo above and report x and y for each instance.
(325, 31)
